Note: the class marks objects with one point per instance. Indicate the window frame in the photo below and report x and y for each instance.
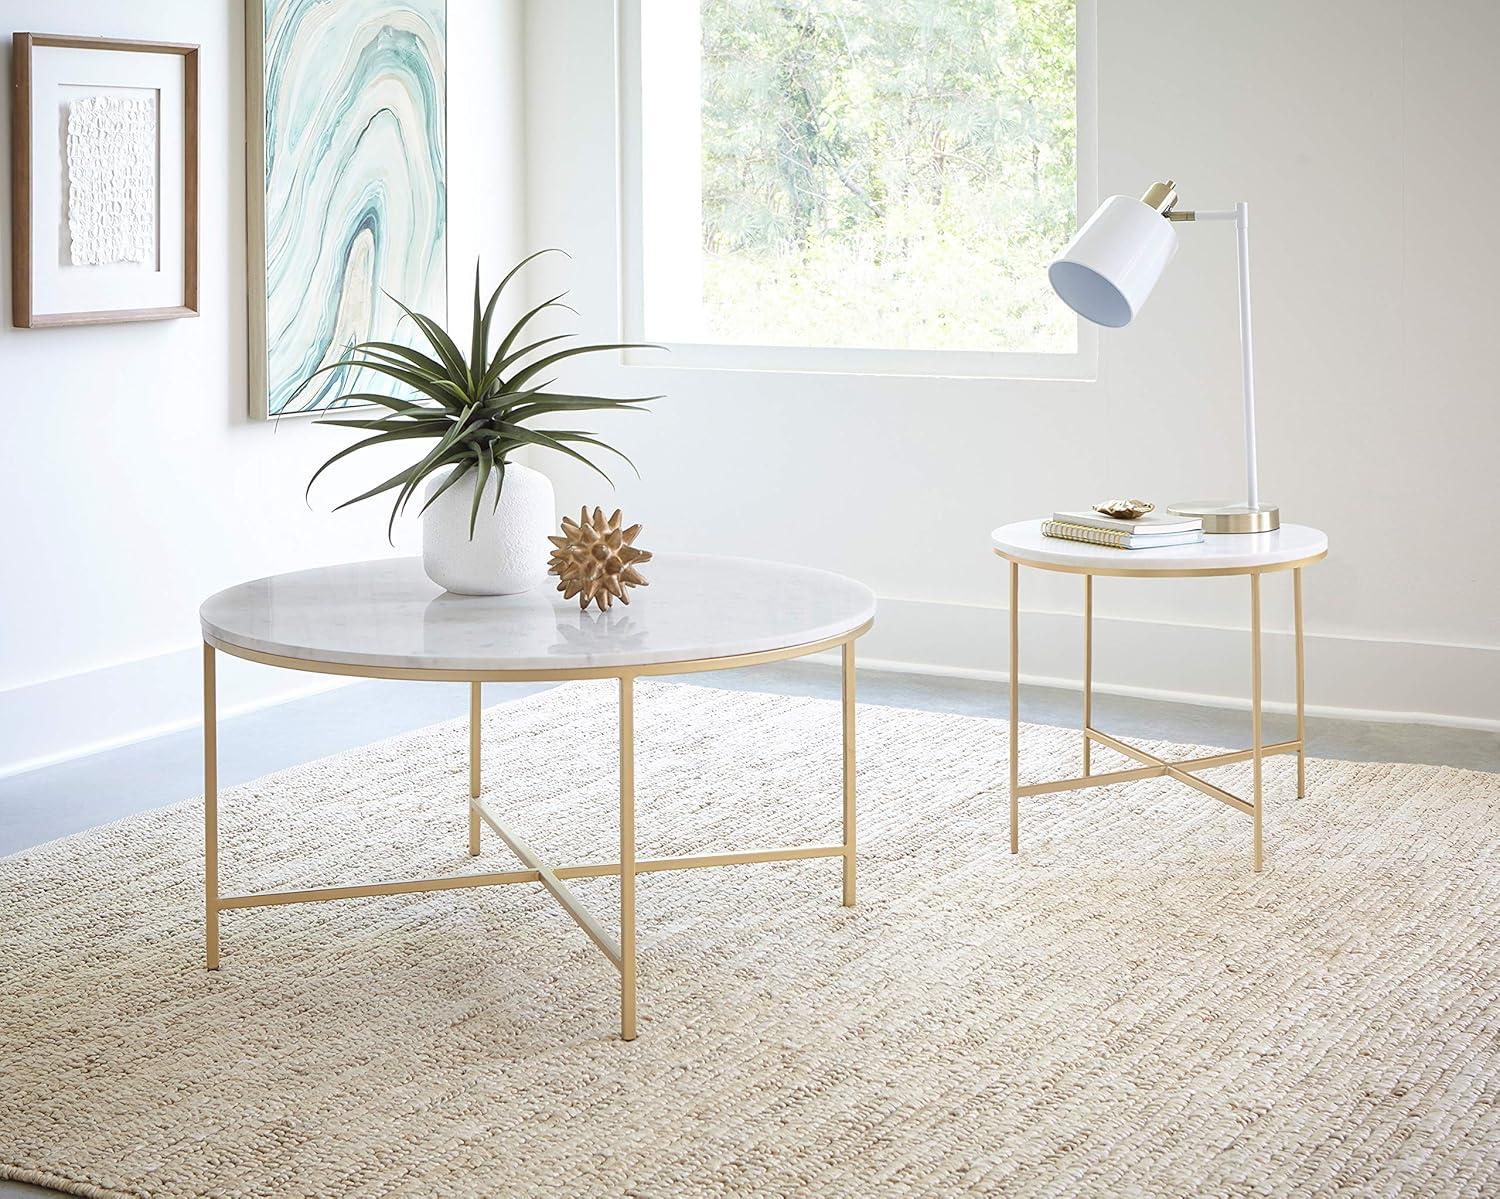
(1081, 363)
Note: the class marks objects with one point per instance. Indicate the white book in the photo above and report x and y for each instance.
(1149, 525)
(1120, 539)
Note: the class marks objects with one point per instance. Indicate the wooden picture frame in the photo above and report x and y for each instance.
(43, 291)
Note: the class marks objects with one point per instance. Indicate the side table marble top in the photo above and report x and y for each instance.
(1217, 554)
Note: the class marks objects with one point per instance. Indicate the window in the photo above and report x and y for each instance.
(852, 184)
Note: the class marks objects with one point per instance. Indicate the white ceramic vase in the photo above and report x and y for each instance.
(509, 550)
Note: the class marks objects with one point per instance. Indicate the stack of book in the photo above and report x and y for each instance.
(1148, 532)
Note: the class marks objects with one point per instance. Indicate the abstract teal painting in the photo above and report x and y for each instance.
(347, 193)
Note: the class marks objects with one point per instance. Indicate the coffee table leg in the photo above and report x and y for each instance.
(210, 808)
(1255, 732)
(848, 774)
(474, 717)
(1015, 707)
(627, 858)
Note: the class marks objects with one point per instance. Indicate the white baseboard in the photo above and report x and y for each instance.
(1347, 677)
(57, 719)
(1357, 678)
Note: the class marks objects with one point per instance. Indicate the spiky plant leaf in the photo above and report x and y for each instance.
(476, 334)
(542, 364)
(379, 439)
(437, 337)
(544, 404)
(531, 314)
(516, 356)
(486, 464)
(537, 437)
(454, 475)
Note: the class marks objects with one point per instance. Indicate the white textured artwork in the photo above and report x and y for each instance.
(112, 179)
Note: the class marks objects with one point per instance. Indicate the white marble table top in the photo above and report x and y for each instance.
(388, 614)
(1224, 553)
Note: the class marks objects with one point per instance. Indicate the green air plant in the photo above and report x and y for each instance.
(475, 411)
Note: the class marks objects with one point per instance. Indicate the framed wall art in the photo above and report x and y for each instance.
(104, 180)
(347, 188)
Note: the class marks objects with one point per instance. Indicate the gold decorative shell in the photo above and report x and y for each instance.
(595, 559)
(1125, 509)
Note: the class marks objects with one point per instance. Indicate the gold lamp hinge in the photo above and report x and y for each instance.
(1163, 198)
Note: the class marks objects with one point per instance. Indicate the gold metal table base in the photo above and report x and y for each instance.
(621, 951)
(1182, 770)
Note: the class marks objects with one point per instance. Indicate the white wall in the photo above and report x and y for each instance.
(133, 482)
(134, 485)
(1362, 135)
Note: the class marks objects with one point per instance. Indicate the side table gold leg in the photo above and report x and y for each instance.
(1088, 666)
(1015, 708)
(475, 708)
(210, 808)
(1255, 731)
(1301, 658)
(849, 774)
(627, 858)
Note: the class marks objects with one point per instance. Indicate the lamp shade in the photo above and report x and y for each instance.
(1113, 262)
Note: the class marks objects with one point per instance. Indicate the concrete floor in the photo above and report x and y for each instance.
(52, 802)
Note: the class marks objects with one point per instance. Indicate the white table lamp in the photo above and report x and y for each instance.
(1105, 275)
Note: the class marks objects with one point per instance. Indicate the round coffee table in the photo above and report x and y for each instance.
(386, 620)
(1289, 548)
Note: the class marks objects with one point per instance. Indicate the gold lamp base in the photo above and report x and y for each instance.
(1219, 517)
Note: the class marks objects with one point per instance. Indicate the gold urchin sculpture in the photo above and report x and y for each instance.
(595, 559)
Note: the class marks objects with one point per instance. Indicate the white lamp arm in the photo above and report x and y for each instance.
(1240, 215)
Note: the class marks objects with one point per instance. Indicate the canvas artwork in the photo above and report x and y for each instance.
(348, 203)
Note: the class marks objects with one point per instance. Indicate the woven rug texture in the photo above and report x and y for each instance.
(1122, 1009)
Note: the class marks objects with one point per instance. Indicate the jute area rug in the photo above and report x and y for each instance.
(1122, 1009)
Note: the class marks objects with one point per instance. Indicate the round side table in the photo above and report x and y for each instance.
(386, 620)
(1254, 554)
